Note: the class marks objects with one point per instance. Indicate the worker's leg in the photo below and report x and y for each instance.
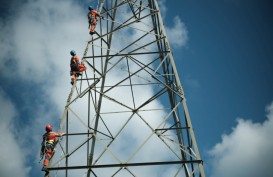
(93, 26)
(48, 156)
(73, 76)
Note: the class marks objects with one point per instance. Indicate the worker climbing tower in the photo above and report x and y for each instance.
(126, 115)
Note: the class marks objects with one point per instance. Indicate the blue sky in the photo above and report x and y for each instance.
(229, 55)
(227, 64)
(224, 59)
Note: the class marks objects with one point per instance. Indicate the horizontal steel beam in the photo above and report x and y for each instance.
(125, 165)
(127, 54)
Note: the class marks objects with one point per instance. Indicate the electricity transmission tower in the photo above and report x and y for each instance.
(127, 115)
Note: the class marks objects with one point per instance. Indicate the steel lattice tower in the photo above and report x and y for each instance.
(127, 115)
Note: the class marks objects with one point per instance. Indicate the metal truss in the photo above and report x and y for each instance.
(127, 115)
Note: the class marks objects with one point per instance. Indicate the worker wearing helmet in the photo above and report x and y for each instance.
(50, 139)
(76, 66)
(92, 19)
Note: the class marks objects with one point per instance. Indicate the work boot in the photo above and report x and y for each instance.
(45, 169)
(92, 32)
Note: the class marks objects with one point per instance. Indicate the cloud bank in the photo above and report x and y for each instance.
(246, 151)
(12, 161)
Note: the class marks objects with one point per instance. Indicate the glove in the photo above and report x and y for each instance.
(102, 17)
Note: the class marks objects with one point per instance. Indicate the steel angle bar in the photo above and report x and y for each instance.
(132, 43)
(61, 147)
(101, 37)
(153, 109)
(114, 8)
(72, 134)
(139, 8)
(161, 63)
(113, 65)
(120, 130)
(98, 108)
(119, 61)
(123, 165)
(126, 168)
(106, 148)
(131, 87)
(106, 126)
(81, 121)
(164, 120)
(117, 172)
(187, 170)
(140, 65)
(85, 91)
(66, 107)
(88, 79)
(88, 126)
(163, 75)
(152, 42)
(158, 94)
(145, 7)
(74, 150)
(127, 85)
(135, 42)
(166, 129)
(131, 7)
(114, 100)
(101, 47)
(132, 52)
(135, 75)
(177, 93)
(193, 172)
(131, 74)
(89, 88)
(178, 171)
(159, 136)
(128, 25)
(127, 54)
(192, 151)
(202, 173)
(142, 110)
(181, 147)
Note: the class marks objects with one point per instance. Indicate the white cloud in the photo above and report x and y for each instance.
(178, 34)
(40, 37)
(12, 161)
(246, 151)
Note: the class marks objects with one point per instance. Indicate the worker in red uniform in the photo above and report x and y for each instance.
(50, 139)
(92, 19)
(76, 67)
